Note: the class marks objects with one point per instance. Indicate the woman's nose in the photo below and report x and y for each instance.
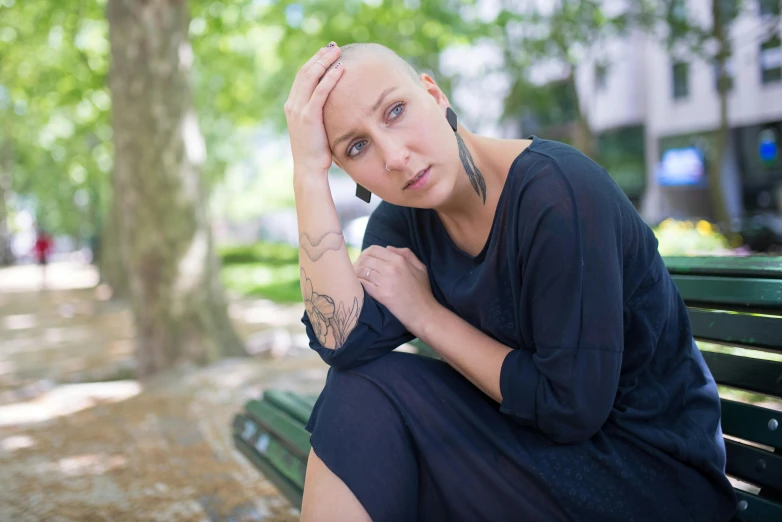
(396, 157)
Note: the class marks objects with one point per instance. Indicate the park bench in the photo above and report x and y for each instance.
(733, 302)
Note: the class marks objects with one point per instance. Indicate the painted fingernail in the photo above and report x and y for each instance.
(332, 44)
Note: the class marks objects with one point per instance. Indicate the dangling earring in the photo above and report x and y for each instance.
(451, 117)
(363, 194)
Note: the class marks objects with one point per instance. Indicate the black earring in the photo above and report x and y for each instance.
(451, 117)
(362, 193)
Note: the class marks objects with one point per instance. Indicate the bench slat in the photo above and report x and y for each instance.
(754, 465)
(289, 490)
(756, 509)
(290, 403)
(281, 425)
(270, 448)
(753, 266)
(731, 329)
(746, 373)
(751, 423)
(718, 292)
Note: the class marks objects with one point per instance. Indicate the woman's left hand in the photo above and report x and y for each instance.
(397, 279)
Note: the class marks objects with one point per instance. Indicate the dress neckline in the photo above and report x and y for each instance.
(500, 202)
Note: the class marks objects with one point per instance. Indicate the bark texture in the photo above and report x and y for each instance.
(177, 300)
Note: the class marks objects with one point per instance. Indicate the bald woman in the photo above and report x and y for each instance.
(570, 387)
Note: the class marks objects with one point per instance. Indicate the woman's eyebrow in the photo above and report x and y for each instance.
(374, 108)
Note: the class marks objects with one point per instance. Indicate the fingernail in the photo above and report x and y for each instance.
(332, 44)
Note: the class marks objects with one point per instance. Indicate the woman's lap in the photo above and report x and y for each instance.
(413, 439)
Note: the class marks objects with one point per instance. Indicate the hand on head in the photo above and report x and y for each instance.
(304, 111)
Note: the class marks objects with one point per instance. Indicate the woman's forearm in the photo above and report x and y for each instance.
(471, 352)
(331, 291)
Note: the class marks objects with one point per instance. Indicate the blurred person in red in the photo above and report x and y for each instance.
(42, 248)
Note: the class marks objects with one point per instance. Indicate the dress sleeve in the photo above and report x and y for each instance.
(377, 330)
(570, 261)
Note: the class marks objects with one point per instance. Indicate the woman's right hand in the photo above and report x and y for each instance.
(304, 112)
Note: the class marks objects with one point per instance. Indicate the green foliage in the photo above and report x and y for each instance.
(55, 105)
(265, 253)
(54, 108)
(268, 270)
(277, 283)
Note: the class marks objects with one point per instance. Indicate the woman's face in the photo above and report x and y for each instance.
(377, 116)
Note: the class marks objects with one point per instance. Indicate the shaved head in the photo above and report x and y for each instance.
(377, 52)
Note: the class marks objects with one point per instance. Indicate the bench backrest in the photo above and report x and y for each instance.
(737, 302)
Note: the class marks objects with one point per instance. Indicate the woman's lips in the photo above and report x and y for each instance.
(419, 182)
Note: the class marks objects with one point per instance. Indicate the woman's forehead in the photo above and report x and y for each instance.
(360, 86)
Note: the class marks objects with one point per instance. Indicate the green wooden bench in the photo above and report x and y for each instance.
(735, 302)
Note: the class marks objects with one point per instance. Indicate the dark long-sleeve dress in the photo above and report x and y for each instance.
(609, 412)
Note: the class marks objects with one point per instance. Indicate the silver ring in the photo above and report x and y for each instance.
(324, 65)
(368, 271)
(389, 170)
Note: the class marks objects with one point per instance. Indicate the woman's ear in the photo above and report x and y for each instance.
(430, 86)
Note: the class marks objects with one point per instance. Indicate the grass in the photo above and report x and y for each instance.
(266, 270)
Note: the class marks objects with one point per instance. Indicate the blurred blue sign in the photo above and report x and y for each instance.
(683, 166)
(768, 147)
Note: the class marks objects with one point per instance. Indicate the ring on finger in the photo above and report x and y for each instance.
(323, 64)
(368, 271)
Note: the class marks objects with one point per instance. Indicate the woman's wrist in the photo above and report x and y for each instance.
(307, 181)
(428, 321)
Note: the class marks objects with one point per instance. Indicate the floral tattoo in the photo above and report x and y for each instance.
(325, 316)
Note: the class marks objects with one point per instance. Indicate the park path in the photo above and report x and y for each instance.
(81, 440)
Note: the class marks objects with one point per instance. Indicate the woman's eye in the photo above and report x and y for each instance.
(357, 147)
(397, 110)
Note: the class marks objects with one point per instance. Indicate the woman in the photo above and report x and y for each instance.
(570, 386)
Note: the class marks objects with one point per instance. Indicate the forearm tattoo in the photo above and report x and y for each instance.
(315, 249)
(476, 178)
(326, 317)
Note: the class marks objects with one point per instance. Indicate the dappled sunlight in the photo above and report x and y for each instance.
(66, 400)
(59, 276)
(16, 442)
(19, 322)
(89, 464)
(191, 266)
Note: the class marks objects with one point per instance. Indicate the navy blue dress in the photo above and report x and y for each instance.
(609, 412)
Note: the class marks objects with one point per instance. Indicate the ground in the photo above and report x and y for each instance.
(81, 440)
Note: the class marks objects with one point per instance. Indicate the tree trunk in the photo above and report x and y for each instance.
(584, 139)
(716, 192)
(177, 300)
(110, 258)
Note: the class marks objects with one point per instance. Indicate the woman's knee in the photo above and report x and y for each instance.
(327, 497)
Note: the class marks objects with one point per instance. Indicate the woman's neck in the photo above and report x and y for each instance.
(485, 165)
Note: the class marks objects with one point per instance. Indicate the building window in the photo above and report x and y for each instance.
(728, 76)
(601, 77)
(681, 80)
(771, 60)
(769, 7)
